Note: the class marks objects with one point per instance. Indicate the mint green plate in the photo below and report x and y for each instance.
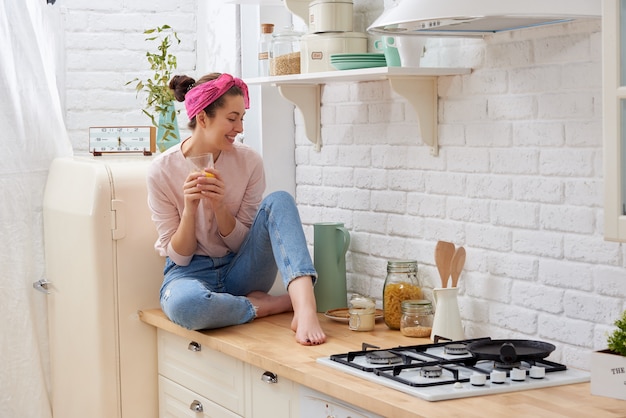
(357, 64)
(366, 56)
(357, 59)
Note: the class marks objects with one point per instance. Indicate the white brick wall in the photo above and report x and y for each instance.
(518, 180)
(105, 48)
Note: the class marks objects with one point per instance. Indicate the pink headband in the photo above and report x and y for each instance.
(204, 94)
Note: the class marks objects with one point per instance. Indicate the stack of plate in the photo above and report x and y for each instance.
(353, 61)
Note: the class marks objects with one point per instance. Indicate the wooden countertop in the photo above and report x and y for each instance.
(269, 343)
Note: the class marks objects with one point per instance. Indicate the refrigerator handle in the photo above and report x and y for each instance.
(43, 286)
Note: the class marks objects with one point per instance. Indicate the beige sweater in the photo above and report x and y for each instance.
(243, 174)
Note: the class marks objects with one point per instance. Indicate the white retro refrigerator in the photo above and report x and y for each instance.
(101, 269)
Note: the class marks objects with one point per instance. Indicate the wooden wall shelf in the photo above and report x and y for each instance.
(417, 85)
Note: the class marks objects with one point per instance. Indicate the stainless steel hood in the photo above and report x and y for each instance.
(475, 18)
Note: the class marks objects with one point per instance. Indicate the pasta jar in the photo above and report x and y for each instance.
(417, 318)
(400, 284)
(285, 52)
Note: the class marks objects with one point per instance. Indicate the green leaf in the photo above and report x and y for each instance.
(163, 63)
(617, 340)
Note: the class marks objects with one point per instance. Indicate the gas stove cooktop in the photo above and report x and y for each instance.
(458, 369)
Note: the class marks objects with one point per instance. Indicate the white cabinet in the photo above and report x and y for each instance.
(196, 381)
(271, 395)
(203, 371)
(176, 401)
(614, 122)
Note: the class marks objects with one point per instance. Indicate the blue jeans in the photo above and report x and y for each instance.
(210, 292)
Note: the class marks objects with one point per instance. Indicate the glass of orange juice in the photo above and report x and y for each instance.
(199, 163)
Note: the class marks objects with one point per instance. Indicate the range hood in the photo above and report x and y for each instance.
(477, 18)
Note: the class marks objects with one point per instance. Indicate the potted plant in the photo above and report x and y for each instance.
(608, 367)
(160, 100)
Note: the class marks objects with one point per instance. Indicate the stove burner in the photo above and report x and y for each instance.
(455, 349)
(431, 371)
(382, 357)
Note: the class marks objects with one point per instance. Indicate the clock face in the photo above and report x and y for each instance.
(122, 139)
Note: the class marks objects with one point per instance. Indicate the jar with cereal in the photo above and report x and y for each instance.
(285, 52)
(401, 284)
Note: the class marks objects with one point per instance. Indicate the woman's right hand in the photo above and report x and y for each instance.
(192, 194)
(183, 241)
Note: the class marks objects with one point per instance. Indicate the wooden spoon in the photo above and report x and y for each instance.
(456, 265)
(444, 251)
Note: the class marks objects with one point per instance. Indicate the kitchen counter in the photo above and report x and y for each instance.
(269, 343)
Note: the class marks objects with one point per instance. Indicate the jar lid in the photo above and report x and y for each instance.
(267, 27)
(399, 265)
(361, 301)
(415, 305)
(288, 32)
(401, 262)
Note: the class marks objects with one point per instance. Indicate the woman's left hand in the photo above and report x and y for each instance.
(212, 187)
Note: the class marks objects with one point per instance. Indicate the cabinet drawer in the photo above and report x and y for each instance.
(268, 398)
(176, 401)
(202, 370)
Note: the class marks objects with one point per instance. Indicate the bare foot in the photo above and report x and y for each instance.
(305, 322)
(269, 305)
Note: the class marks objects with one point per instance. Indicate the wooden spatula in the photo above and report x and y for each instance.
(456, 265)
(444, 251)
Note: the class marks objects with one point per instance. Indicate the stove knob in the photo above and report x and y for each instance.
(518, 375)
(478, 379)
(537, 372)
(497, 376)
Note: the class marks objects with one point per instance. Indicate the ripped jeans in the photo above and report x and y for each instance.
(210, 292)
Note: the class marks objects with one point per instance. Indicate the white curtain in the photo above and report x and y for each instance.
(32, 133)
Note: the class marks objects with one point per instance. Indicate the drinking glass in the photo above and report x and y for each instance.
(200, 163)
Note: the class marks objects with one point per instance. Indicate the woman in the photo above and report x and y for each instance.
(223, 241)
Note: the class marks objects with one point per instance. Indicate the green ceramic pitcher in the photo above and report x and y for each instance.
(330, 244)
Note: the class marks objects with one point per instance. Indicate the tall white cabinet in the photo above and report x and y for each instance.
(614, 117)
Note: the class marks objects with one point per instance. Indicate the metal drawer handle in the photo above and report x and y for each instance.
(196, 406)
(269, 377)
(194, 346)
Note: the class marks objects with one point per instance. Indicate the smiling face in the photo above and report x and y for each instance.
(217, 133)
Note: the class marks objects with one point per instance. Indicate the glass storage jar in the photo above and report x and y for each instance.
(362, 313)
(285, 52)
(401, 284)
(265, 44)
(417, 318)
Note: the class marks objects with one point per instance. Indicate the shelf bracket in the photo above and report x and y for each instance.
(306, 97)
(421, 93)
